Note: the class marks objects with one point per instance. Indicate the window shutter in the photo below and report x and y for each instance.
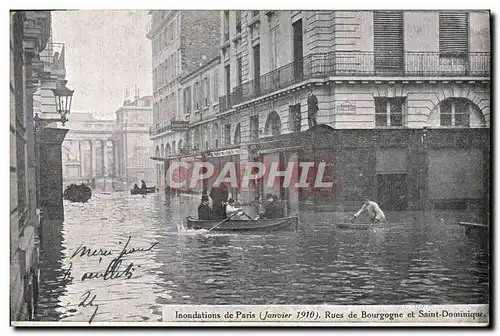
(388, 40)
(453, 33)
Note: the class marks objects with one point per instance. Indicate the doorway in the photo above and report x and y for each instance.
(391, 192)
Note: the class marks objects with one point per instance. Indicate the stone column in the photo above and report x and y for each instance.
(103, 157)
(80, 159)
(93, 160)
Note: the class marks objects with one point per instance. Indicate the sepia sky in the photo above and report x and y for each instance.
(107, 52)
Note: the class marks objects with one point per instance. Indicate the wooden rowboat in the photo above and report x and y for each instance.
(244, 225)
(148, 190)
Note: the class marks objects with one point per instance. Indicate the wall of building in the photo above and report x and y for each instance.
(200, 37)
(25, 45)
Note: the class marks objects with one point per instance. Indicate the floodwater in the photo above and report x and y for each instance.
(418, 258)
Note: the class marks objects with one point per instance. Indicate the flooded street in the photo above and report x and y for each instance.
(418, 258)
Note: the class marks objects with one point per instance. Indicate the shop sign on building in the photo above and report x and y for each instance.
(179, 125)
(225, 152)
(347, 107)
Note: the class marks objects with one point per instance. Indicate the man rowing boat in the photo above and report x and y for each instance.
(371, 209)
(232, 211)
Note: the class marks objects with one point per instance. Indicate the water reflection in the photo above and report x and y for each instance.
(417, 258)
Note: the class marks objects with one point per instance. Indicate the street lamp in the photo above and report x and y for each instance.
(63, 97)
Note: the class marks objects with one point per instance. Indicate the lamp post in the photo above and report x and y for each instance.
(63, 98)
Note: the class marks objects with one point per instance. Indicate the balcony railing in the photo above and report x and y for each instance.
(360, 64)
(52, 53)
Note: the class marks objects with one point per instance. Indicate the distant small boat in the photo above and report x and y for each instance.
(469, 226)
(148, 190)
(77, 193)
(355, 226)
(244, 225)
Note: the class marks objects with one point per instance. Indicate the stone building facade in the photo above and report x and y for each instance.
(181, 42)
(395, 103)
(134, 147)
(110, 154)
(374, 74)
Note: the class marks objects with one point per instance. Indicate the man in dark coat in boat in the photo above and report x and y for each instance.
(143, 185)
(219, 196)
(257, 207)
(272, 209)
(204, 211)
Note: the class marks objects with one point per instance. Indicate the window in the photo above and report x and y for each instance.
(174, 64)
(226, 26)
(215, 135)
(174, 28)
(178, 100)
(254, 127)
(388, 40)
(215, 87)
(238, 21)
(453, 34)
(227, 134)
(237, 135)
(455, 112)
(389, 111)
(295, 118)
(275, 38)
(206, 91)
(196, 102)
(273, 124)
(140, 155)
(173, 106)
(187, 100)
(239, 70)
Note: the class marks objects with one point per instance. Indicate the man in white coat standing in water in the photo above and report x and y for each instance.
(372, 210)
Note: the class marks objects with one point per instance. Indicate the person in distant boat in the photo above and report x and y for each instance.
(204, 211)
(372, 210)
(143, 185)
(136, 187)
(272, 209)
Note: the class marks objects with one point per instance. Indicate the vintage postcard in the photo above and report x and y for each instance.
(250, 167)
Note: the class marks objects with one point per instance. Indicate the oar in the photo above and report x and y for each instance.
(244, 213)
(225, 220)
